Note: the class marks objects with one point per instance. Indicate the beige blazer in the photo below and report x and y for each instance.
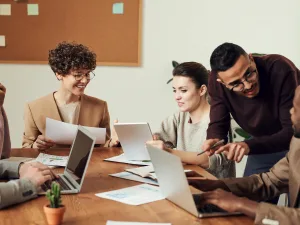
(93, 113)
(284, 177)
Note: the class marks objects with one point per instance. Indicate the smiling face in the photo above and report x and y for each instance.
(242, 74)
(186, 94)
(70, 84)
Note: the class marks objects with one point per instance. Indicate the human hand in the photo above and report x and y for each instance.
(234, 151)
(43, 143)
(114, 137)
(223, 199)
(2, 94)
(208, 144)
(36, 172)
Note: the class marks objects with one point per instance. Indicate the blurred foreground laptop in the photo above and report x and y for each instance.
(133, 137)
(72, 178)
(174, 186)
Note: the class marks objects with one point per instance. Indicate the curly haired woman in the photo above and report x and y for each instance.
(73, 66)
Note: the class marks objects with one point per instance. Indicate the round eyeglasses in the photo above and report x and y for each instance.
(88, 76)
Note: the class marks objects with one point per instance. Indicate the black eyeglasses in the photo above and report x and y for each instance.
(239, 86)
(79, 76)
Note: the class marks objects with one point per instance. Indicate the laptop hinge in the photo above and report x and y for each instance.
(65, 177)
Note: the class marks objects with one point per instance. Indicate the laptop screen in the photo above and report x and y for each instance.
(78, 158)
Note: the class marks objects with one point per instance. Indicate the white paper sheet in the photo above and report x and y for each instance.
(64, 133)
(130, 176)
(109, 222)
(5, 9)
(122, 159)
(135, 195)
(52, 160)
(2, 41)
(143, 171)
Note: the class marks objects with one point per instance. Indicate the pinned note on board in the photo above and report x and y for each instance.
(2, 41)
(118, 8)
(32, 9)
(5, 9)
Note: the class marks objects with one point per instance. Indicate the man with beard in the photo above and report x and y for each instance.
(284, 177)
(258, 92)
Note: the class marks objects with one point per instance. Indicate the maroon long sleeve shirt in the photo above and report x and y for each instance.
(267, 116)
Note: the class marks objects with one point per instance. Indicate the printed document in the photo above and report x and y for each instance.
(135, 195)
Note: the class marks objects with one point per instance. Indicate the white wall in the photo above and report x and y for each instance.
(181, 30)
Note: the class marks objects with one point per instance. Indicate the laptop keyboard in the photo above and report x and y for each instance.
(47, 185)
(207, 208)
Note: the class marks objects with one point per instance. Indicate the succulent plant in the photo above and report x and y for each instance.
(53, 195)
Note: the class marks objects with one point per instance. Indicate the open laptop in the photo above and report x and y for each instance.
(174, 186)
(72, 178)
(133, 137)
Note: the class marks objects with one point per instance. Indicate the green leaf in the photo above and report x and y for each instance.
(174, 63)
(242, 133)
(169, 80)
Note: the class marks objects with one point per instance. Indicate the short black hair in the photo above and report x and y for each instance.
(70, 55)
(196, 71)
(225, 56)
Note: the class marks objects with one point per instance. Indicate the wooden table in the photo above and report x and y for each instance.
(86, 208)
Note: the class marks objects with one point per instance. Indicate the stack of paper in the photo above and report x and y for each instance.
(135, 195)
(134, 177)
(122, 159)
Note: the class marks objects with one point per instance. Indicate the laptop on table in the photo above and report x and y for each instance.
(174, 186)
(81, 150)
(133, 137)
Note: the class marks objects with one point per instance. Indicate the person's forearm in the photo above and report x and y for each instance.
(247, 207)
(274, 143)
(191, 158)
(16, 191)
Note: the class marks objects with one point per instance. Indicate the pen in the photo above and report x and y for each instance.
(214, 146)
(141, 160)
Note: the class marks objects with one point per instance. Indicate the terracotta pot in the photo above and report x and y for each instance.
(54, 215)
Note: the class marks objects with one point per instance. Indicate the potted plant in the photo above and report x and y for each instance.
(55, 210)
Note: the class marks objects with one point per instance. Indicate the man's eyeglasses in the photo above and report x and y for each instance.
(239, 86)
(79, 76)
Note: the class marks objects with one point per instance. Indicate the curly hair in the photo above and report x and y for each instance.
(71, 56)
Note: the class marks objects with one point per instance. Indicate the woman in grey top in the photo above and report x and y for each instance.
(184, 132)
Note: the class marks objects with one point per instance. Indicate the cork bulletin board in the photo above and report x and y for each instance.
(111, 28)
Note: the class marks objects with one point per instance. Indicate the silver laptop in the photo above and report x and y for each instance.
(133, 137)
(174, 186)
(72, 178)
